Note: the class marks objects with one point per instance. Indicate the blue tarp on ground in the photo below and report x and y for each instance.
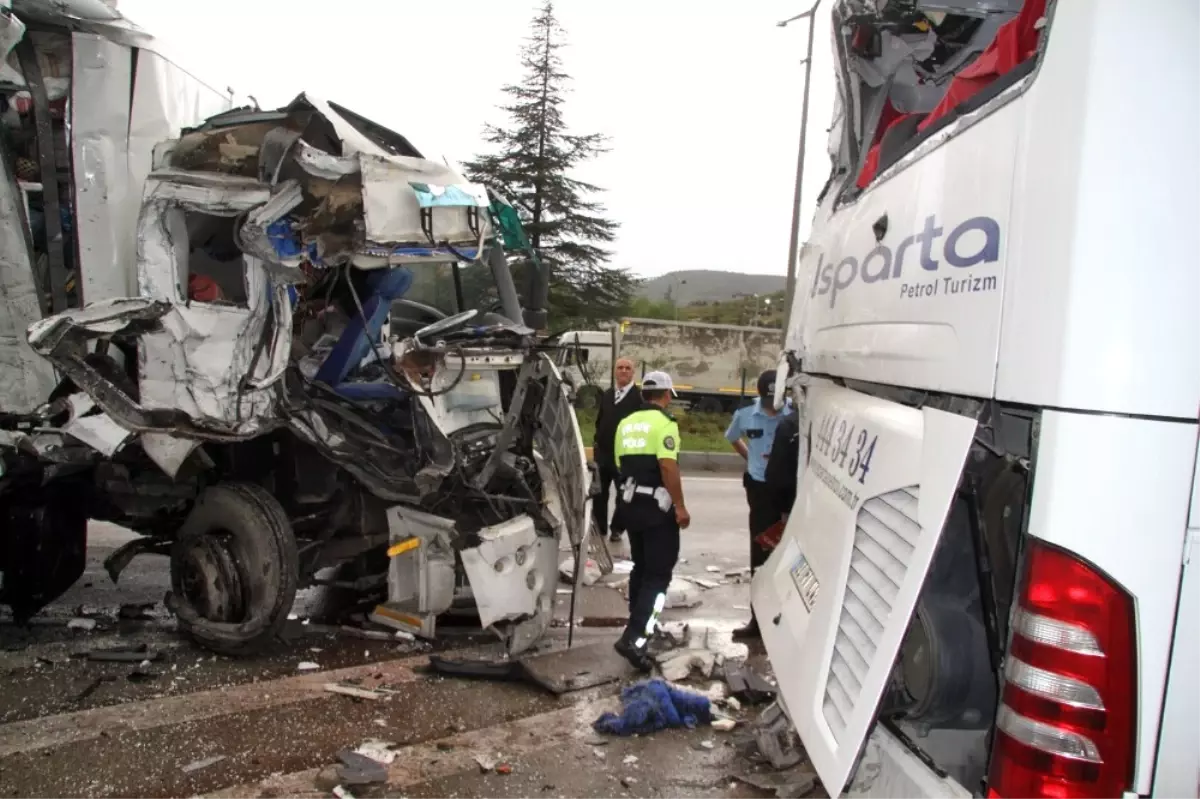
(655, 705)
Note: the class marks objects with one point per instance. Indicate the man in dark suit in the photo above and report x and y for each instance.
(618, 401)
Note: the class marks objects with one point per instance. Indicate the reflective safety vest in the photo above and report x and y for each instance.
(643, 439)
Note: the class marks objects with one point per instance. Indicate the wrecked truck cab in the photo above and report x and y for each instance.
(326, 380)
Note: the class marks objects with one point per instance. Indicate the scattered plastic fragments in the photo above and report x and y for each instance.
(653, 705)
(379, 751)
(196, 765)
(504, 768)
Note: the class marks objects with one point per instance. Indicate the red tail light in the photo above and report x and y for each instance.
(1066, 725)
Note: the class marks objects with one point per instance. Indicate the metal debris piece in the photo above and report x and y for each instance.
(713, 569)
(796, 781)
(724, 724)
(359, 769)
(137, 654)
(307, 665)
(486, 763)
(357, 692)
(370, 635)
(706, 746)
(196, 765)
(87, 625)
(777, 739)
(630, 760)
(748, 685)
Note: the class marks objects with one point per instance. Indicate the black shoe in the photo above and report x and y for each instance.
(749, 632)
(615, 536)
(636, 657)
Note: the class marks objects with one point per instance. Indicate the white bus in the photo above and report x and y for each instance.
(987, 584)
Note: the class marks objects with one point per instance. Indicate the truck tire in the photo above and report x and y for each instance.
(234, 570)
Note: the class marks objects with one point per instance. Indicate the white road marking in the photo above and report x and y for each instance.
(85, 725)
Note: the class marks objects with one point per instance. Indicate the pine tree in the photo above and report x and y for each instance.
(531, 165)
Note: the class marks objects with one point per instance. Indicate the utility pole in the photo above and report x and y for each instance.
(793, 241)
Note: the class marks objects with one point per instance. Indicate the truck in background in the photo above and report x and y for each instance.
(714, 366)
(988, 583)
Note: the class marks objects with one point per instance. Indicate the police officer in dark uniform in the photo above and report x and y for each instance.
(751, 432)
(647, 453)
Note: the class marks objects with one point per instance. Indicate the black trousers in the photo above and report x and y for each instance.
(764, 512)
(654, 545)
(610, 479)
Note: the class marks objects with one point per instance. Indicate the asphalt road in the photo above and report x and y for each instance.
(202, 724)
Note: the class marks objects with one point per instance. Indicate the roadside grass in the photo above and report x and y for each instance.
(701, 432)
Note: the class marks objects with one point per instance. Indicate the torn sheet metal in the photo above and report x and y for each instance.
(168, 452)
(396, 216)
(512, 572)
(28, 379)
(99, 432)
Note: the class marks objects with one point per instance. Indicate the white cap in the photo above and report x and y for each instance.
(657, 381)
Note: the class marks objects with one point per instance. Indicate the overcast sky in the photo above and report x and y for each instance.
(701, 101)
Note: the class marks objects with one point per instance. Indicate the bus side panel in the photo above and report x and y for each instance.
(1178, 769)
(1144, 469)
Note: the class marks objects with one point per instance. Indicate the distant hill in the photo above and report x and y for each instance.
(687, 286)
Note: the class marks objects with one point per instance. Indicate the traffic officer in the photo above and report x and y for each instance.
(646, 448)
(752, 434)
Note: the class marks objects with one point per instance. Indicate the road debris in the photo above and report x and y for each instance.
(796, 781)
(630, 760)
(137, 611)
(706, 746)
(486, 764)
(136, 654)
(682, 594)
(677, 665)
(358, 769)
(342, 793)
(379, 751)
(354, 691)
(777, 739)
(713, 569)
(196, 765)
(724, 724)
(504, 768)
(748, 685)
(85, 625)
(307, 665)
(591, 571)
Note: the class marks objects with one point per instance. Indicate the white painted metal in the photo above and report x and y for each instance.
(826, 595)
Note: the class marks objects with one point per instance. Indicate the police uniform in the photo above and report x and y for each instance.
(758, 427)
(643, 439)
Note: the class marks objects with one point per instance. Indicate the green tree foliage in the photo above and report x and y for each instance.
(531, 162)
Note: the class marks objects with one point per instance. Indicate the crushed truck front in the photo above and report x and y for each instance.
(273, 410)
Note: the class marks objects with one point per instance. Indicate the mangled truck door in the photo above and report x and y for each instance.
(836, 596)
